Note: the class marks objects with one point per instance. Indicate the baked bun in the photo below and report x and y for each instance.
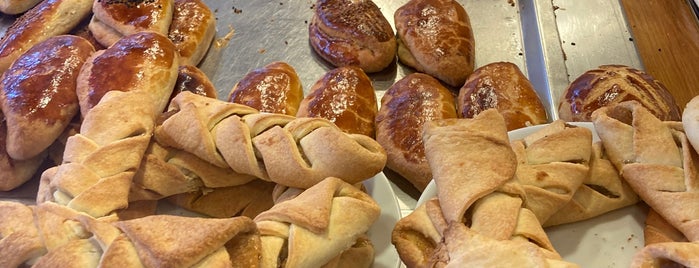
(14, 7)
(191, 78)
(346, 97)
(192, 29)
(48, 18)
(406, 106)
(115, 19)
(274, 88)
(37, 93)
(352, 32)
(501, 85)
(435, 37)
(612, 84)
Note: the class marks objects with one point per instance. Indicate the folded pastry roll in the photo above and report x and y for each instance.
(248, 200)
(656, 159)
(19, 237)
(658, 230)
(668, 254)
(295, 152)
(326, 219)
(552, 164)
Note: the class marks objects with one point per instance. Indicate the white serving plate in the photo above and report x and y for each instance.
(609, 240)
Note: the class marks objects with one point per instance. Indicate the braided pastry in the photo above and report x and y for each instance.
(656, 159)
(326, 219)
(295, 152)
(99, 163)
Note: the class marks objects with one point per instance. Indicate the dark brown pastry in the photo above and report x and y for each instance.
(274, 88)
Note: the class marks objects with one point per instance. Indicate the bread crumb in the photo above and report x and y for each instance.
(223, 41)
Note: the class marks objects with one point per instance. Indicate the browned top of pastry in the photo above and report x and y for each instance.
(191, 78)
(358, 19)
(346, 97)
(125, 60)
(611, 84)
(25, 22)
(42, 81)
(140, 14)
(274, 88)
(501, 85)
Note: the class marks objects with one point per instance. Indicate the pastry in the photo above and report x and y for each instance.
(19, 239)
(248, 200)
(436, 37)
(31, 27)
(283, 149)
(37, 94)
(611, 84)
(191, 78)
(405, 108)
(669, 254)
(325, 219)
(14, 173)
(501, 85)
(274, 88)
(113, 20)
(192, 30)
(352, 33)
(14, 7)
(346, 97)
(658, 230)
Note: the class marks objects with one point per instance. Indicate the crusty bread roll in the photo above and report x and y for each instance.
(48, 18)
(274, 88)
(352, 32)
(346, 97)
(37, 94)
(405, 107)
(14, 7)
(501, 85)
(192, 29)
(435, 37)
(612, 84)
(112, 20)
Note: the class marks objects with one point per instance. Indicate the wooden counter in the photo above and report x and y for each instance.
(666, 33)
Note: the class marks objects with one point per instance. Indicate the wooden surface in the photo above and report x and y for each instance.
(666, 33)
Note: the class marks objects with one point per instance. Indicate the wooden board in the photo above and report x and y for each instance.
(666, 33)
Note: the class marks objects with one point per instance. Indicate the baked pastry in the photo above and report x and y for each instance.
(192, 30)
(656, 160)
(405, 108)
(248, 200)
(99, 163)
(658, 230)
(501, 85)
(325, 219)
(14, 7)
(37, 94)
(552, 164)
(191, 78)
(14, 173)
(669, 254)
(19, 239)
(346, 97)
(274, 88)
(346, 33)
(611, 84)
(113, 20)
(283, 149)
(31, 27)
(690, 121)
(435, 37)
(603, 190)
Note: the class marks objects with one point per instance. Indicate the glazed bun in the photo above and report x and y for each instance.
(611, 84)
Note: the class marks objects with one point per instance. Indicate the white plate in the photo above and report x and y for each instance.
(379, 233)
(609, 240)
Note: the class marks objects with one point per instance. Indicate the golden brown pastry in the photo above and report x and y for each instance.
(37, 94)
(501, 85)
(112, 20)
(612, 84)
(405, 108)
(13, 7)
(192, 30)
(669, 254)
(351, 32)
(658, 230)
(191, 78)
(19, 238)
(283, 149)
(656, 159)
(274, 88)
(346, 97)
(435, 37)
(31, 28)
(99, 163)
(325, 219)
(248, 200)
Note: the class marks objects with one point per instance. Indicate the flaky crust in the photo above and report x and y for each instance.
(352, 33)
(435, 37)
(346, 97)
(30, 28)
(273, 88)
(501, 85)
(405, 108)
